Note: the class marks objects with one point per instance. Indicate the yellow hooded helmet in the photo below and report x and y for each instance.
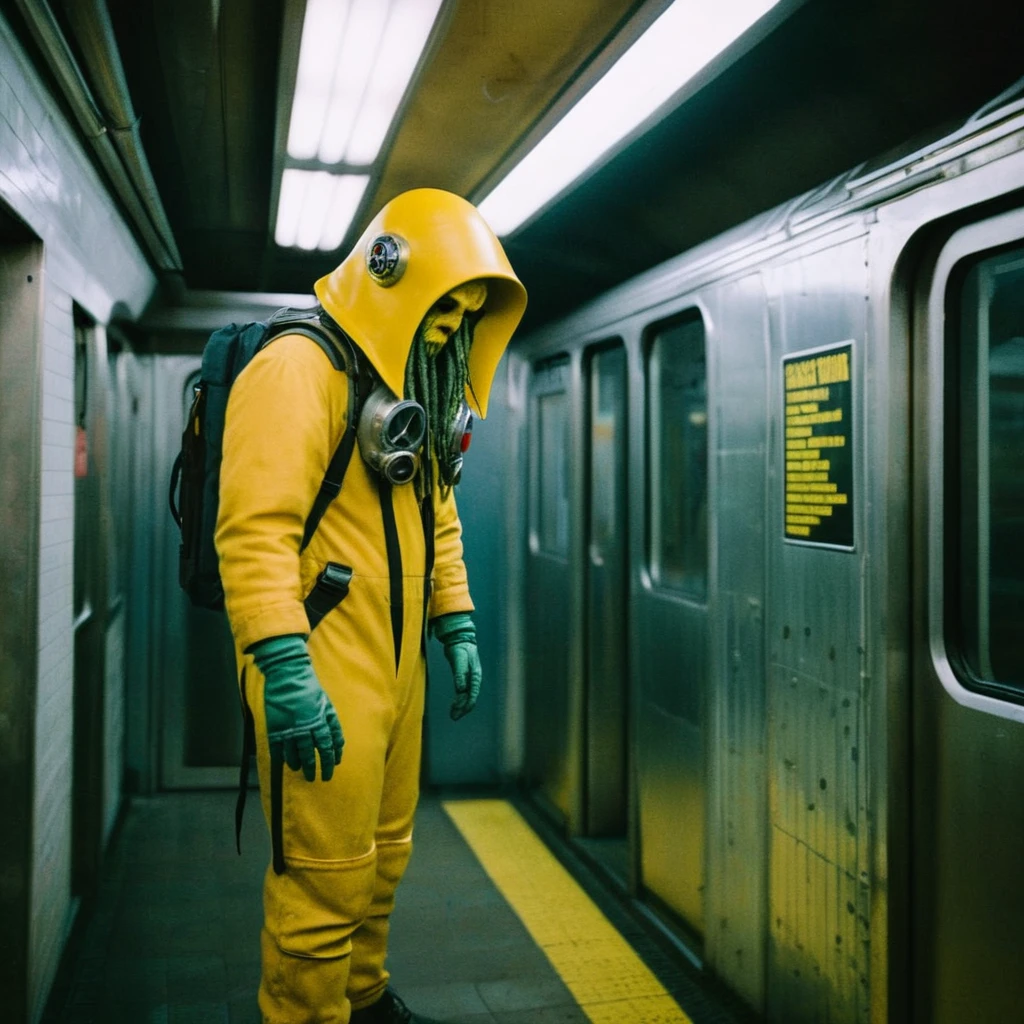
(419, 247)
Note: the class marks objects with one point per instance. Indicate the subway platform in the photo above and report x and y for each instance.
(489, 928)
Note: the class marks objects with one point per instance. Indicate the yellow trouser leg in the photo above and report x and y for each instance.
(399, 795)
(310, 914)
(368, 977)
(345, 842)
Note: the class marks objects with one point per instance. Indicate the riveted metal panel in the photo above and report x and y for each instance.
(817, 687)
(737, 787)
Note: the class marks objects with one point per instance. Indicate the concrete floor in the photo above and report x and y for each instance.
(173, 935)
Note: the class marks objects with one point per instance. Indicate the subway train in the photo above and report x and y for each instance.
(768, 570)
(746, 534)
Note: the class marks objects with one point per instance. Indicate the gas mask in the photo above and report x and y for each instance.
(391, 432)
(390, 435)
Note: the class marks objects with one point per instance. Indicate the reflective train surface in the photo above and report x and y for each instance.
(746, 539)
(773, 584)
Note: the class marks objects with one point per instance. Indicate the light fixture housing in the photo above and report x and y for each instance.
(682, 42)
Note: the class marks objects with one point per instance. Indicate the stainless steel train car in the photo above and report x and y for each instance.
(772, 589)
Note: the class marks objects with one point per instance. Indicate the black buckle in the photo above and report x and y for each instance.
(328, 592)
(335, 577)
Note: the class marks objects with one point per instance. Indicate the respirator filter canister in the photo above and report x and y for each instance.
(390, 435)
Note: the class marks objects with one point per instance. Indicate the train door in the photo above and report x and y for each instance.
(671, 621)
(606, 666)
(201, 723)
(552, 713)
(90, 603)
(967, 848)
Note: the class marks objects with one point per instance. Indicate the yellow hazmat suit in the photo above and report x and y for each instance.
(346, 842)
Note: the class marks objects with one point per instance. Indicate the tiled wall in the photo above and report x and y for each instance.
(51, 868)
(91, 259)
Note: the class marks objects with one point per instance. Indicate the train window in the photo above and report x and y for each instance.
(553, 432)
(986, 438)
(677, 457)
(607, 426)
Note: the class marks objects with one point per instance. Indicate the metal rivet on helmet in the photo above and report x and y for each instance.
(386, 259)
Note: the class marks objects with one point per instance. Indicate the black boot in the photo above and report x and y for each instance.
(389, 1009)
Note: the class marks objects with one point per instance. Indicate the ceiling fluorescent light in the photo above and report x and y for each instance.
(316, 208)
(322, 35)
(318, 200)
(405, 38)
(348, 194)
(684, 40)
(289, 206)
(356, 58)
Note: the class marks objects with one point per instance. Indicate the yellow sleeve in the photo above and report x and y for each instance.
(285, 416)
(451, 586)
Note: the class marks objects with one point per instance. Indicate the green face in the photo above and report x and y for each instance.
(445, 317)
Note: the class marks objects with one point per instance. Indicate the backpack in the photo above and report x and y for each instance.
(195, 476)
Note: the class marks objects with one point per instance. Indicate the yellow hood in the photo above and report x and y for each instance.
(444, 242)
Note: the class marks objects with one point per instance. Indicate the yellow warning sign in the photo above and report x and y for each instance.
(818, 390)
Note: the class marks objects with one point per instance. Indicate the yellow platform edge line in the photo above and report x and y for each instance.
(601, 970)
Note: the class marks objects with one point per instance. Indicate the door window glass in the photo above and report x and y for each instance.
(677, 458)
(986, 478)
(553, 429)
(607, 413)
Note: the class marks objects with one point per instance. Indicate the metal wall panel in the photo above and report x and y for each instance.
(90, 257)
(737, 782)
(468, 751)
(91, 602)
(21, 385)
(819, 890)
(113, 720)
(121, 439)
(200, 722)
(148, 504)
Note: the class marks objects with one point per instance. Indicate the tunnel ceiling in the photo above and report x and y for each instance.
(834, 85)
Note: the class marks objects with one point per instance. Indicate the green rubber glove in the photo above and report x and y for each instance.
(458, 634)
(300, 718)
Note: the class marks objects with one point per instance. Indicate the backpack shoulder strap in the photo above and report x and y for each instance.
(318, 326)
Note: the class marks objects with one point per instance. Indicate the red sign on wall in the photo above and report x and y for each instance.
(81, 453)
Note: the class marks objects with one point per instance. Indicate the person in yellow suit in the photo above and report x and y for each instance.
(431, 301)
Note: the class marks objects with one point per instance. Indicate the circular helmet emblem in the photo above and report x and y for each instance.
(386, 257)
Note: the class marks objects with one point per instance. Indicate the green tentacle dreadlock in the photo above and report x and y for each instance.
(436, 376)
